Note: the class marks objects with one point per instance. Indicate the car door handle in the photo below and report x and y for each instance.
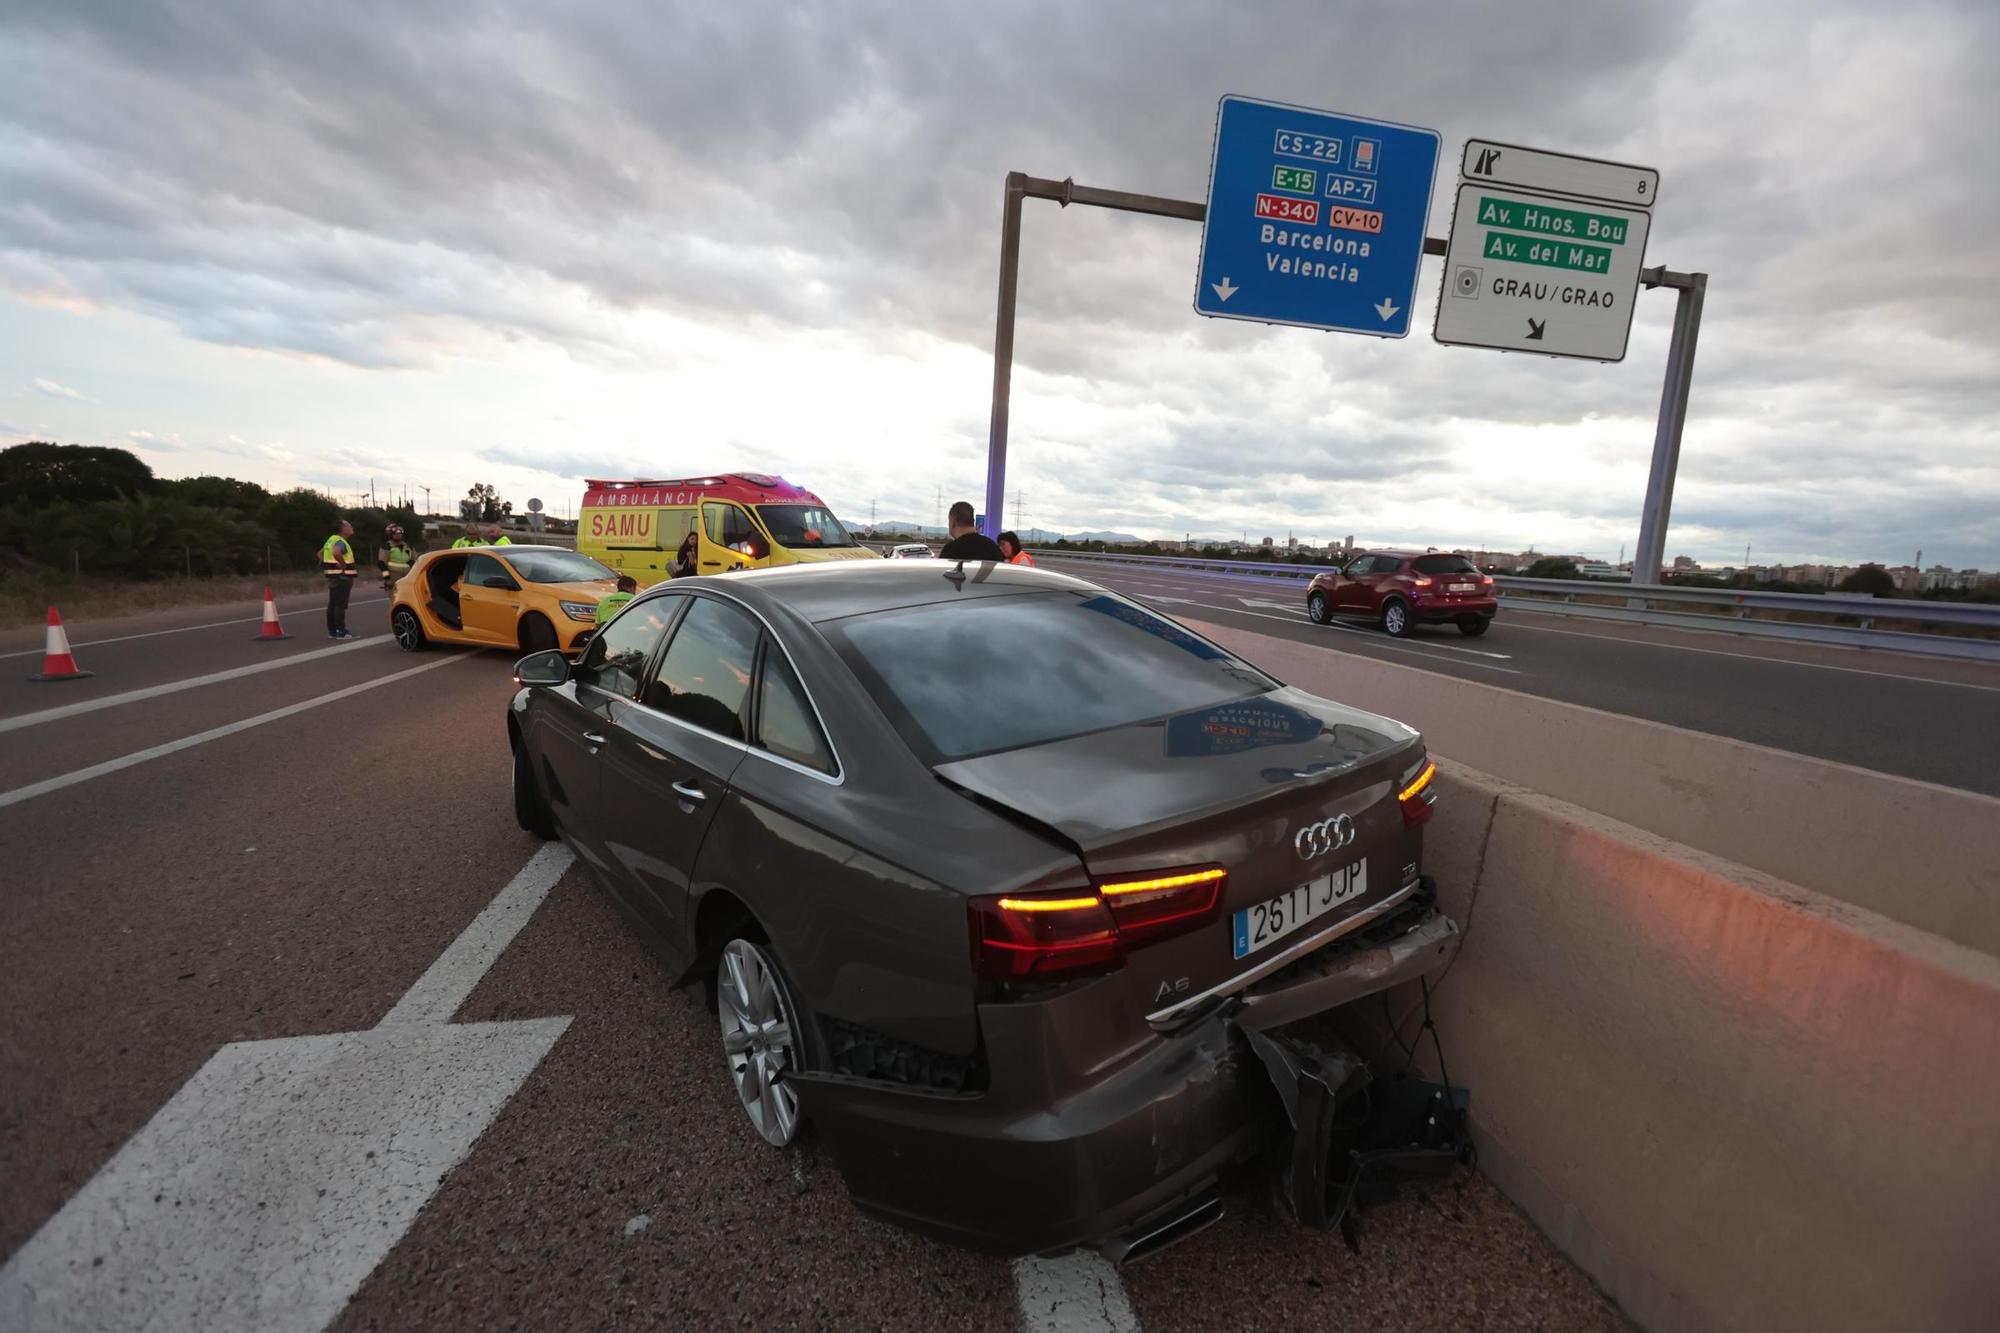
(593, 738)
(691, 791)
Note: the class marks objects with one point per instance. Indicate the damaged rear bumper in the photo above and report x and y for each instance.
(1068, 1149)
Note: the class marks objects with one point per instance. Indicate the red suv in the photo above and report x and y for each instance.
(1402, 589)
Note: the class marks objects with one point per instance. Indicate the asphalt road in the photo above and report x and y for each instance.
(260, 1027)
(1928, 718)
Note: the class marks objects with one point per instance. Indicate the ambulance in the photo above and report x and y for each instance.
(739, 520)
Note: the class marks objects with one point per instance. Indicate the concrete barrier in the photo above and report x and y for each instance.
(1736, 1103)
(1913, 851)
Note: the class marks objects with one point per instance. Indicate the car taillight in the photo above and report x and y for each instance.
(1486, 579)
(1418, 798)
(1421, 581)
(1164, 904)
(1043, 936)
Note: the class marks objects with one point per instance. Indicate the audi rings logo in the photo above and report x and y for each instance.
(1329, 835)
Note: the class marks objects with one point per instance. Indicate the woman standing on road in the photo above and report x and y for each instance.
(1010, 546)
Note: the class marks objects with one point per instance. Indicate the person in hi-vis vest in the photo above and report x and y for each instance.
(336, 561)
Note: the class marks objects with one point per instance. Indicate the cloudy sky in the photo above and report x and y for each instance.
(529, 243)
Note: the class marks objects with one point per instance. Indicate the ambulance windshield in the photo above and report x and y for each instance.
(804, 527)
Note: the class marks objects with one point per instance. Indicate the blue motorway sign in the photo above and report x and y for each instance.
(1314, 219)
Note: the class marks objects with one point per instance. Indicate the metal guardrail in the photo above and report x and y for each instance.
(1726, 610)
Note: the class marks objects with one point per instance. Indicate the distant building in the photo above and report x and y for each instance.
(1686, 564)
(1598, 569)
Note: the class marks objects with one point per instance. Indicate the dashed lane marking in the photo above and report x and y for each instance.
(1514, 623)
(183, 629)
(1078, 1293)
(43, 788)
(176, 686)
(276, 1180)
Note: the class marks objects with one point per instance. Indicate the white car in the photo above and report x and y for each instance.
(910, 551)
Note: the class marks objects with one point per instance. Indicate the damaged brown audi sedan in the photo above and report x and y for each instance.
(991, 870)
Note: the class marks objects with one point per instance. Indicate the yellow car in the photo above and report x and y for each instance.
(525, 597)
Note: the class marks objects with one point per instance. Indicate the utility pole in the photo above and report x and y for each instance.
(427, 501)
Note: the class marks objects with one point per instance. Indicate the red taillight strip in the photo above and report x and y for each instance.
(1163, 882)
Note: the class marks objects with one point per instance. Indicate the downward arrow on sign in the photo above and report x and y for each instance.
(1387, 309)
(1224, 289)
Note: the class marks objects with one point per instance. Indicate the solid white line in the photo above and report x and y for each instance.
(1078, 1293)
(176, 686)
(184, 629)
(1373, 643)
(29, 792)
(447, 983)
(1513, 624)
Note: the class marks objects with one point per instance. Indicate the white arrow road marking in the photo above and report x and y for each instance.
(1275, 606)
(1223, 289)
(272, 1184)
(1387, 309)
(1078, 1293)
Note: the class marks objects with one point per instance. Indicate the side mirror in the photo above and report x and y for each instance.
(500, 581)
(548, 667)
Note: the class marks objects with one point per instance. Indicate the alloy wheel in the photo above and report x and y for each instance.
(409, 634)
(1394, 618)
(1316, 608)
(758, 1039)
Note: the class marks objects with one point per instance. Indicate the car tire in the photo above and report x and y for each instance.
(531, 812)
(409, 630)
(1473, 626)
(536, 633)
(761, 1037)
(1396, 618)
(1318, 608)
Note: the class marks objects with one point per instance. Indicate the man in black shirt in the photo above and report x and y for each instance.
(967, 542)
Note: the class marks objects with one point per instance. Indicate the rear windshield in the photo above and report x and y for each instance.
(1443, 564)
(557, 567)
(1002, 673)
(803, 527)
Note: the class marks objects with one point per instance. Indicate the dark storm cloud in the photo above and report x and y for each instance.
(385, 184)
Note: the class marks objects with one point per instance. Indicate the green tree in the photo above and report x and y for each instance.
(243, 497)
(483, 504)
(1551, 567)
(43, 473)
(1872, 580)
(299, 521)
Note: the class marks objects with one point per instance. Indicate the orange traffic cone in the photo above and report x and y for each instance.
(57, 663)
(272, 629)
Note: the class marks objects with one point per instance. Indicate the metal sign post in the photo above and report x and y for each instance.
(1692, 287)
(1534, 166)
(1021, 186)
